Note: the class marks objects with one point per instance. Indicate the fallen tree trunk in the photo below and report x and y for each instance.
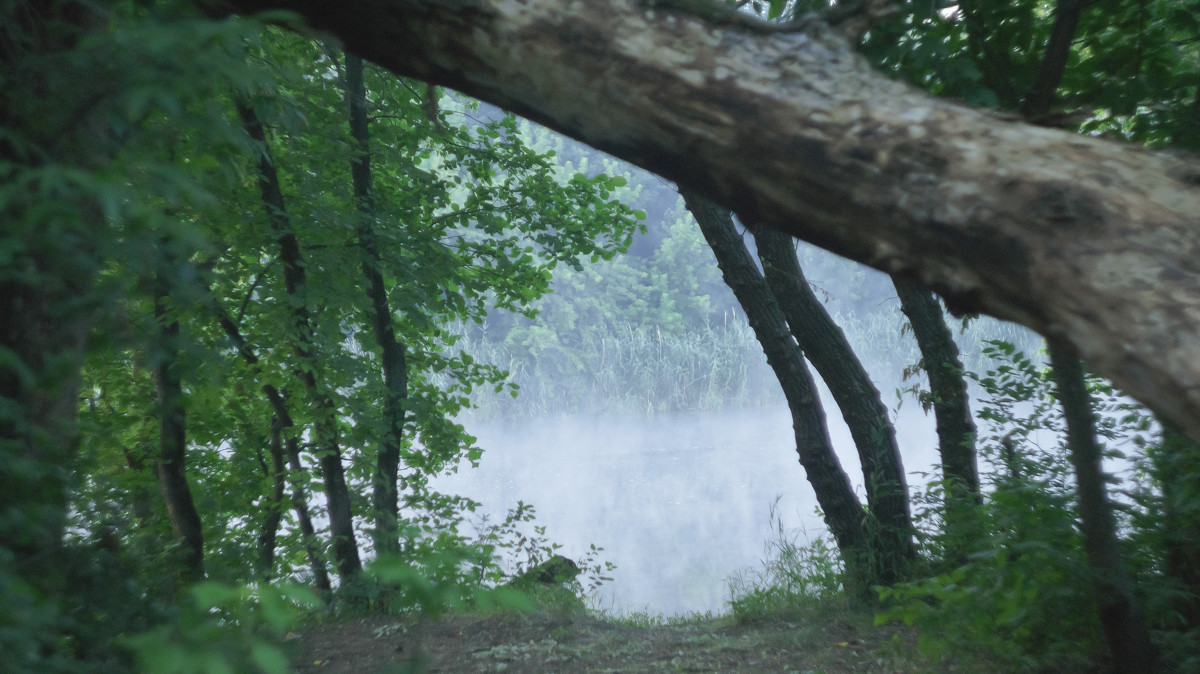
(1081, 239)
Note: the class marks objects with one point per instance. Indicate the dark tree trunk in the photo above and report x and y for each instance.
(297, 473)
(843, 512)
(1120, 615)
(312, 547)
(171, 465)
(1177, 464)
(277, 471)
(38, 431)
(325, 435)
(395, 373)
(48, 305)
(823, 342)
(1035, 106)
(951, 410)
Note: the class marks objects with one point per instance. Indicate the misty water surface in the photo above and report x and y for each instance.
(678, 502)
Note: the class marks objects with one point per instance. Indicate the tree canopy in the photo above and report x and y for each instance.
(1085, 239)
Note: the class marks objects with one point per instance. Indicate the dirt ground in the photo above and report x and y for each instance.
(582, 643)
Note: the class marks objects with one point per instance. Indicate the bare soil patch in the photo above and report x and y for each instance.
(585, 644)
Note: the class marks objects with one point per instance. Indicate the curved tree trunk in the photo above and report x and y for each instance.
(825, 346)
(843, 512)
(951, 402)
(325, 435)
(951, 410)
(395, 373)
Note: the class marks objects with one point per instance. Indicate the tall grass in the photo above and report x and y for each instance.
(629, 371)
(797, 573)
(647, 371)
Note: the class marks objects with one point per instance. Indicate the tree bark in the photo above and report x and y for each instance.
(1177, 464)
(395, 372)
(1120, 615)
(1040, 96)
(1078, 238)
(825, 346)
(951, 409)
(277, 471)
(171, 465)
(843, 512)
(297, 474)
(325, 435)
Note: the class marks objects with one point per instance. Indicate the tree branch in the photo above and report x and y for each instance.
(1075, 237)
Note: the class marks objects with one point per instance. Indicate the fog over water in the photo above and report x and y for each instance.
(679, 503)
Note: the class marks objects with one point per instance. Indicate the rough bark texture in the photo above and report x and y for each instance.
(1078, 238)
(951, 403)
(825, 346)
(171, 465)
(843, 512)
(952, 413)
(325, 434)
(1120, 616)
(395, 373)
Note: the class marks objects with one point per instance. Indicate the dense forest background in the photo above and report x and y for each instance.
(656, 330)
(253, 287)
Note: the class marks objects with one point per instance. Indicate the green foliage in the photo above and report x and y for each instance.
(130, 189)
(514, 547)
(1131, 72)
(222, 629)
(795, 577)
(1023, 597)
(1164, 542)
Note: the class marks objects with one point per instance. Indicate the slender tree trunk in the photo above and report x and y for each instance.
(1120, 615)
(325, 435)
(312, 548)
(300, 506)
(823, 342)
(951, 410)
(297, 474)
(843, 512)
(171, 465)
(1036, 103)
(277, 471)
(1177, 465)
(395, 373)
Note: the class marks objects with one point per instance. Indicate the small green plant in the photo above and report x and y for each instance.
(224, 629)
(510, 545)
(794, 576)
(1023, 596)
